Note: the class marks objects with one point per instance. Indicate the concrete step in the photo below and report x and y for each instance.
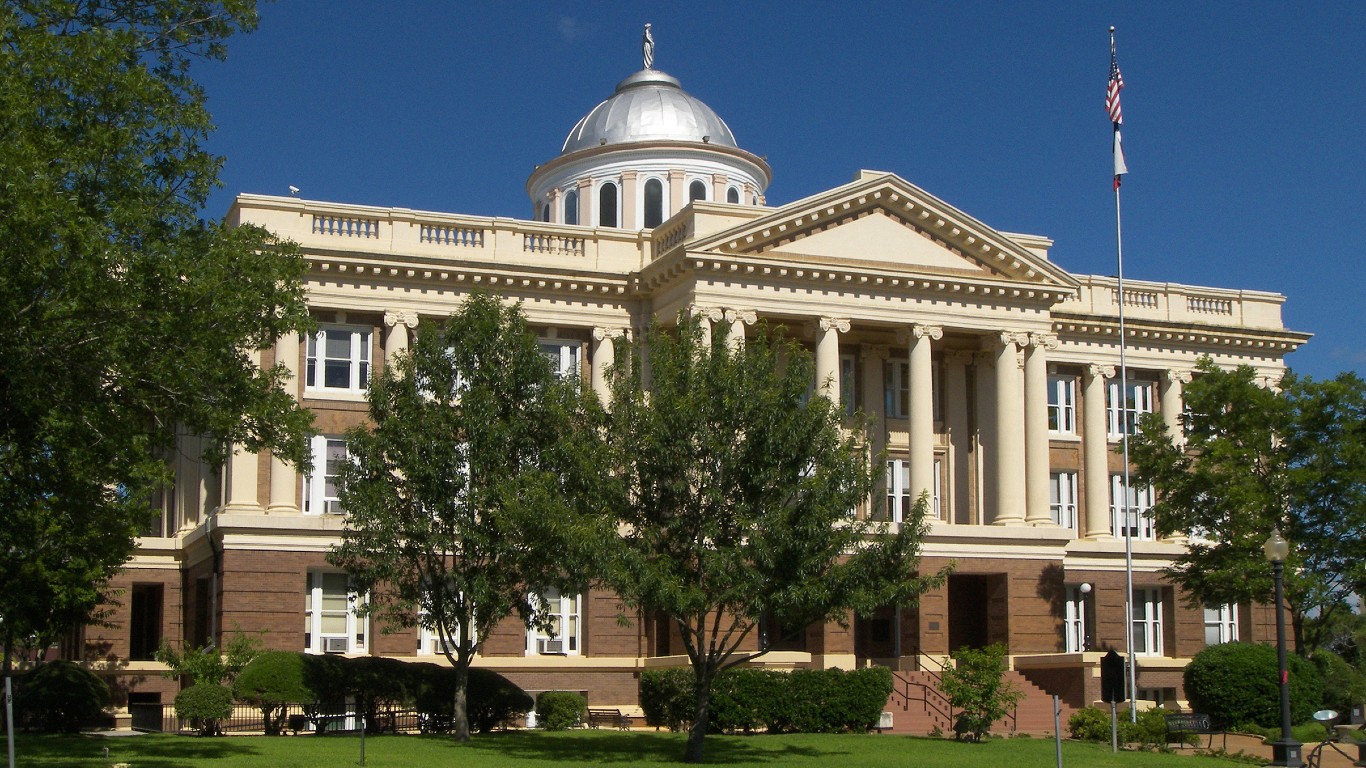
(917, 706)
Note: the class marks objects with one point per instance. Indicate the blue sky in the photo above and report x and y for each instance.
(1242, 120)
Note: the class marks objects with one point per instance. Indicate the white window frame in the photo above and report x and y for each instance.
(358, 359)
(937, 496)
(429, 640)
(1074, 620)
(357, 627)
(569, 610)
(1147, 627)
(565, 355)
(1062, 405)
(1222, 621)
(1138, 404)
(1062, 498)
(316, 500)
(899, 498)
(1140, 504)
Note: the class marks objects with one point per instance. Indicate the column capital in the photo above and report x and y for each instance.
(1043, 340)
(1005, 339)
(1103, 371)
(919, 331)
(629, 175)
(601, 333)
(584, 184)
(838, 324)
(746, 316)
(393, 317)
(714, 314)
(1177, 376)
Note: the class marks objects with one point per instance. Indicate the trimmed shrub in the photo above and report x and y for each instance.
(977, 688)
(377, 683)
(1093, 724)
(204, 705)
(560, 710)
(1239, 683)
(60, 697)
(271, 681)
(491, 700)
(1089, 724)
(327, 678)
(667, 697)
(741, 699)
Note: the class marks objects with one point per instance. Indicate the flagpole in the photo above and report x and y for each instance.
(1126, 504)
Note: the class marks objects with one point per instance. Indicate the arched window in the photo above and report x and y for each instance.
(571, 207)
(607, 205)
(732, 195)
(697, 190)
(654, 203)
(545, 212)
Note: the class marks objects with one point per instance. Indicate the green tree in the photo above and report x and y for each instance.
(1254, 459)
(126, 318)
(272, 681)
(463, 498)
(209, 664)
(736, 490)
(976, 688)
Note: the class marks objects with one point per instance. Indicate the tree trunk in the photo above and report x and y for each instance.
(693, 752)
(461, 720)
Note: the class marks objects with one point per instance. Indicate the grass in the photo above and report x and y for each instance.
(537, 748)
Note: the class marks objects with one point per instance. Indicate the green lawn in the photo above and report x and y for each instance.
(576, 748)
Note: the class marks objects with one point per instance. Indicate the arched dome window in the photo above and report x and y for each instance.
(607, 205)
(654, 203)
(571, 207)
(733, 195)
(545, 212)
(697, 190)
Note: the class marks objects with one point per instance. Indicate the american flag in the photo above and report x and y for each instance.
(1112, 92)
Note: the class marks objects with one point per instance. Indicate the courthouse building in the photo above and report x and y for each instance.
(990, 372)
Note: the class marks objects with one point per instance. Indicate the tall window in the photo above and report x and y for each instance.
(320, 484)
(732, 195)
(697, 190)
(545, 212)
(339, 359)
(1221, 624)
(1124, 415)
(563, 638)
(571, 207)
(898, 389)
(654, 203)
(330, 621)
(1147, 629)
(1062, 498)
(607, 205)
(429, 639)
(563, 356)
(1062, 404)
(1140, 501)
(847, 381)
(936, 508)
(1074, 620)
(144, 621)
(898, 490)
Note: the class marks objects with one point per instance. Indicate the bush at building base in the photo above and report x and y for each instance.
(560, 710)
(379, 684)
(60, 697)
(745, 700)
(205, 706)
(491, 700)
(272, 681)
(1093, 724)
(977, 689)
(1239, 683)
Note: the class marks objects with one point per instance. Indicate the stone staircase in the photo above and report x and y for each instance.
(918, 706)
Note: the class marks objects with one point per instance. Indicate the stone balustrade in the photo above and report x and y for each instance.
(1173, 302)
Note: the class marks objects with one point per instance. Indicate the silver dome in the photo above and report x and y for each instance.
(649, 106)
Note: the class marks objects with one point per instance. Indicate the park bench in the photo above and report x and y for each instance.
(1184, 725)
(600, 716)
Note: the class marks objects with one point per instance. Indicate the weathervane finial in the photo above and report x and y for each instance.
(647, 48)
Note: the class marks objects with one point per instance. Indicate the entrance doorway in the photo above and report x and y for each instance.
(977, 610)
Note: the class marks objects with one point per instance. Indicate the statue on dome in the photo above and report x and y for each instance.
(647, 46)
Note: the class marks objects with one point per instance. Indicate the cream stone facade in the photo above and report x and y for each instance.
(989, 371)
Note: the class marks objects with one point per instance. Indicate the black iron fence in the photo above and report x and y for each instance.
(247, 719)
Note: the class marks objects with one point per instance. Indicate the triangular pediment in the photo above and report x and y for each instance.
(883, 221)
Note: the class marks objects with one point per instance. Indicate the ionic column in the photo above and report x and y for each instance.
(1036, 428)
(1010, 469)
(828, 330)
(1096, 450)
(604, 355)
(706, 316)
(921, 425)
(626, 206)
(284, 479)
(955, 400)
(397, 324)
(1173, 383)
(738, 319)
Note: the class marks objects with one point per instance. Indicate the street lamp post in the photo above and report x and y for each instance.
(1286, 751)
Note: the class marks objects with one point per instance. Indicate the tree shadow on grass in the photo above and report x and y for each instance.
(144, 751)
(616, 748)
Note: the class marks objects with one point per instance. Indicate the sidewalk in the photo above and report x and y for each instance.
(1253, 745)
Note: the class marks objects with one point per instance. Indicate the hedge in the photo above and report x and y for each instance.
(491, 700)
(1239, 683)
(270, 681)
(60, 697)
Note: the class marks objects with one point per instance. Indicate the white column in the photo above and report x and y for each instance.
(1009, 459)
(1096, 450)
(397, 324)
(707, 316)
(284, 479)
(242, 473)
(604, 355)
(955, 399)
(921, 424)
(1036, 428)
(828, 357)
(738, 319)
(1173, 383)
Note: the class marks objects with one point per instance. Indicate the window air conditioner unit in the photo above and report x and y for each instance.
(548, 646)
(334, 645)
(885, 720)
